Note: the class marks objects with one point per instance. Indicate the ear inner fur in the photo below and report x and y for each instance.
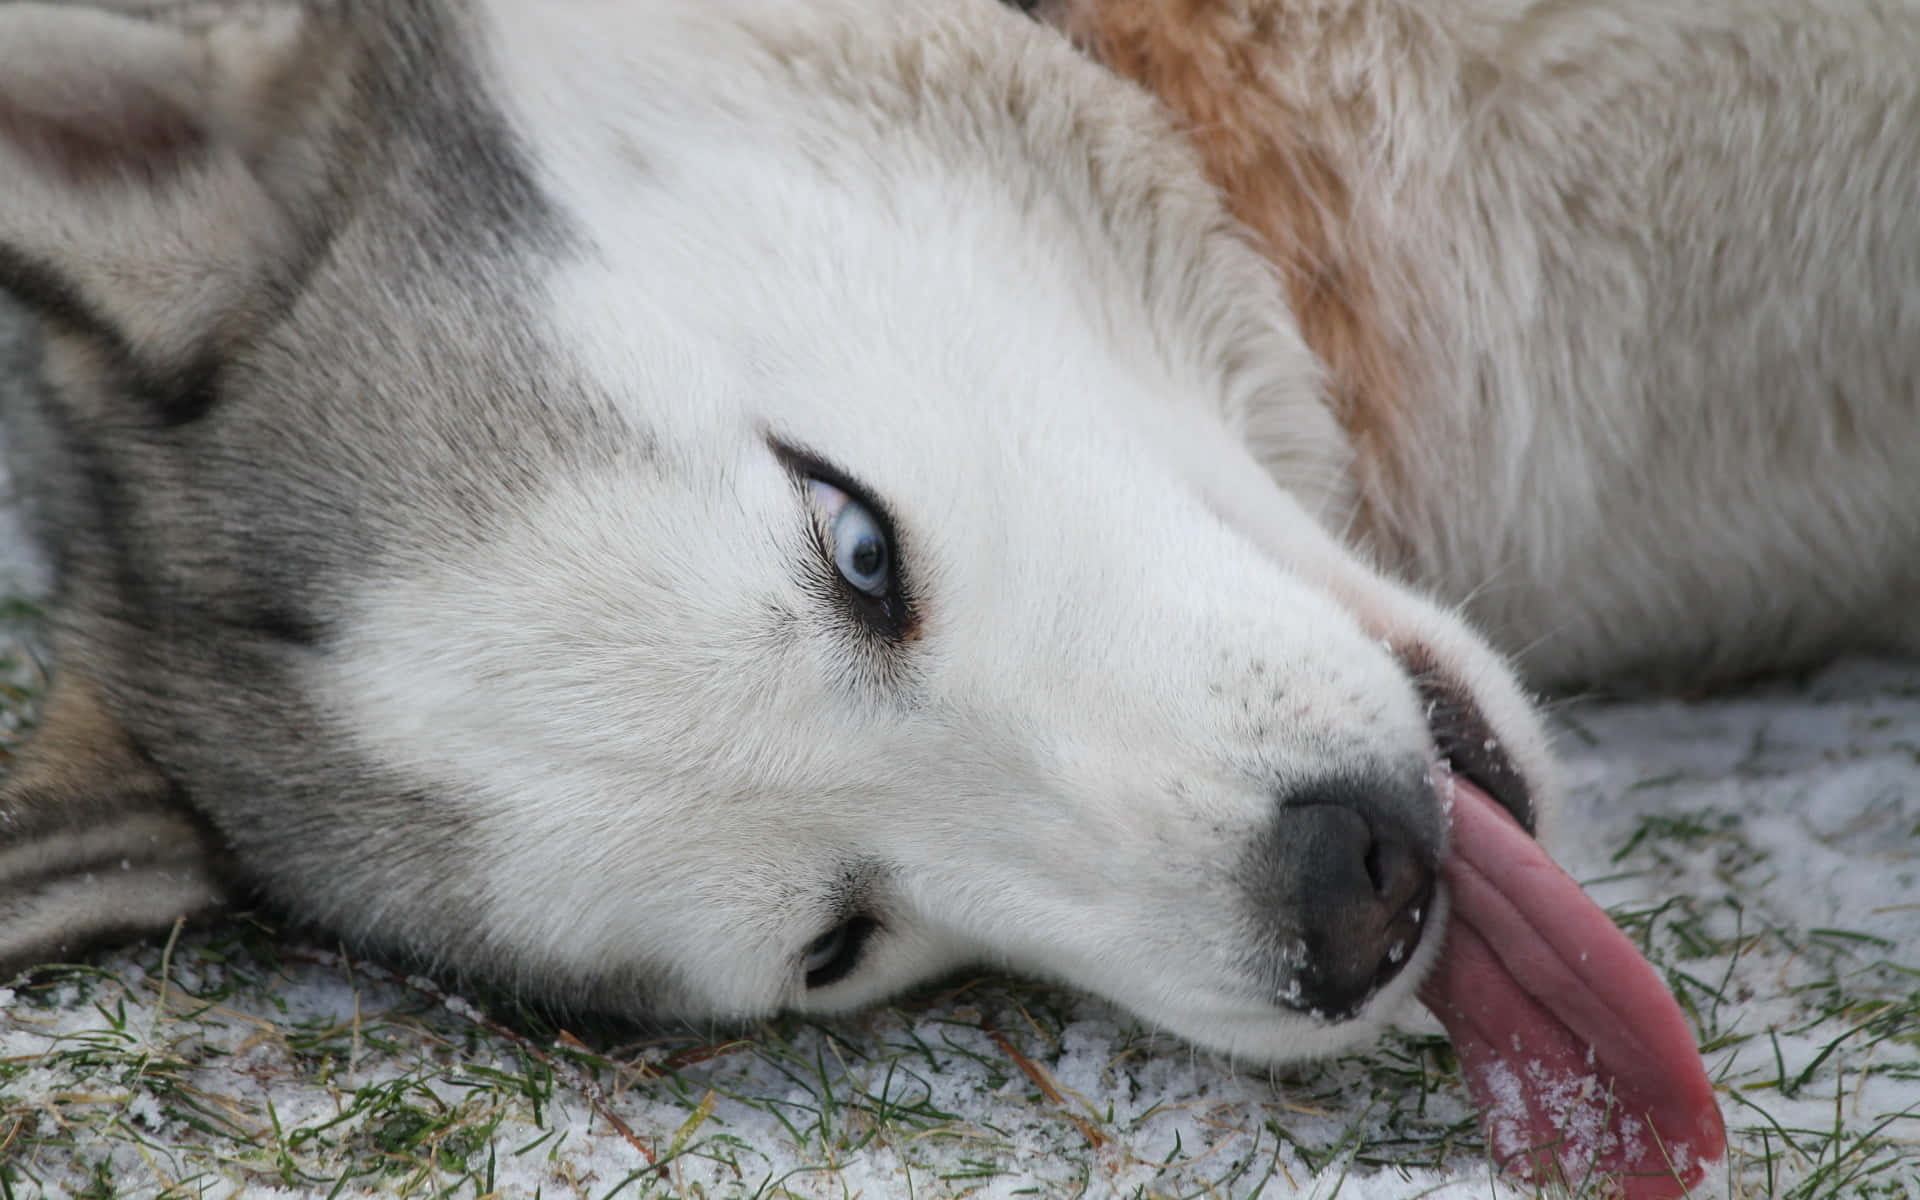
(184, 142)
(126, 113)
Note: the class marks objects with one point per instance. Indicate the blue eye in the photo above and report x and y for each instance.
(855, 539)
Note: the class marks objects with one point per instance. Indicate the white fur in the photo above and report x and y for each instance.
(1132, 641)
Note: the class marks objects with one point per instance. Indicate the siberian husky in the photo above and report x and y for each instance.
(715, 506)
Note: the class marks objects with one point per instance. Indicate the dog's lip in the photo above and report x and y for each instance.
(1467, 744)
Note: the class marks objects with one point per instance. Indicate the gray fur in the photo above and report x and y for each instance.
(199, 543)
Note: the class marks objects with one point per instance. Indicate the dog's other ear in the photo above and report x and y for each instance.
(149, 165)
(93, 840)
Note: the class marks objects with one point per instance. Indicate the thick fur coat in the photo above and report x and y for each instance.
(716, 506)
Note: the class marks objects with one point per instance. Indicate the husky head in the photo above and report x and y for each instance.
(711, 507)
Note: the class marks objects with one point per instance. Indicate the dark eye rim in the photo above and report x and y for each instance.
(854, 934)
(890, 614)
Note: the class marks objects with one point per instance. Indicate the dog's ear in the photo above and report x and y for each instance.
(94, 842)
(150, 164)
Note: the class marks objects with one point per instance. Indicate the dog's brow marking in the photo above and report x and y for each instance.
(186, 398)
(41, 288)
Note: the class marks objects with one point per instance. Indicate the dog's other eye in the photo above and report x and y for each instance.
(858, 543)
(834, 954)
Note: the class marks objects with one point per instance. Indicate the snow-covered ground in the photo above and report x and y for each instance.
(1764, 847)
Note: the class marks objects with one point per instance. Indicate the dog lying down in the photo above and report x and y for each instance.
(715, 506)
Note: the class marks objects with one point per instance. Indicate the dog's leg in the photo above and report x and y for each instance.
(94, 841)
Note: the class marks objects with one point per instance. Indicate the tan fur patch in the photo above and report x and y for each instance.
(78, 745)
(1214, 63)
(93, 840)
(82, 782)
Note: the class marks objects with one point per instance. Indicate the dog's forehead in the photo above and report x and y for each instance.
(765, 203)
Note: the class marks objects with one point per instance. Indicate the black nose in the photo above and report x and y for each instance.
(1342, 885)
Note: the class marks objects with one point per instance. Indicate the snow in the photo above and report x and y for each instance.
(1765, 845)
(1578, 1106)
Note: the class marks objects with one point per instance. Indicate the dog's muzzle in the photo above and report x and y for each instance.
(1342, 881)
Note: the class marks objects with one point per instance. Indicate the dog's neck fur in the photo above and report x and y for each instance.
(1274, 127)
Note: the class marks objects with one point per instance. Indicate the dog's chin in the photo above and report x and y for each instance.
(1248, 1027)
(1249, 1031)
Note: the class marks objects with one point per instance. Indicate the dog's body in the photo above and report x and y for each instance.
(1618, 301)
(461, 421)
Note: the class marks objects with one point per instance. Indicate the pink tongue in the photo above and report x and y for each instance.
(1568, 1039)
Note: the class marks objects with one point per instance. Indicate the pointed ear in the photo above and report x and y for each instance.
(94, 842)
(148, 166)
